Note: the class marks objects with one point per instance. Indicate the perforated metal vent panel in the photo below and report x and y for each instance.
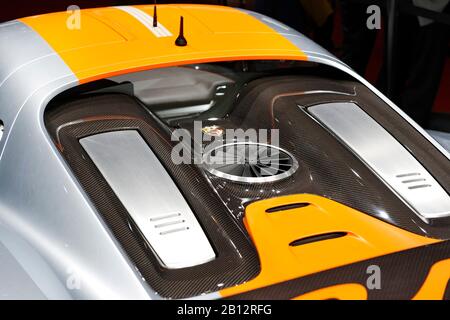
(386, 157)
(151, 197)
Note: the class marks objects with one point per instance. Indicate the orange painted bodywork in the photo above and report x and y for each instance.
(112, 42)
(366, 238)
(436, 282)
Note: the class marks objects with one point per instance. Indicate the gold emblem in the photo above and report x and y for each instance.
(213, 131)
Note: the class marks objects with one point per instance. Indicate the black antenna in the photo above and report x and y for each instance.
(181, 40)
(155, 16)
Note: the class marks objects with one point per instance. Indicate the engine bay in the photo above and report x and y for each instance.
(221, 136)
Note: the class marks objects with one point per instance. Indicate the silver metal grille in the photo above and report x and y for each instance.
(249, 162)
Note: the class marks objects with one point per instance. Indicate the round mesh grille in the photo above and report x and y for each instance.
(249, 162)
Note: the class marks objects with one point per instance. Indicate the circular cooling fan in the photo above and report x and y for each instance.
(249, 162)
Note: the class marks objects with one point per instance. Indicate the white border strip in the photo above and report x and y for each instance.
(160, 31)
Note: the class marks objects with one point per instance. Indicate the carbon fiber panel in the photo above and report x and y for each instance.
(447, 292)
(326, 167)
(402, 275)
(114, 112)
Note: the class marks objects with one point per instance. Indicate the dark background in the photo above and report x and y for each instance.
(10, 10)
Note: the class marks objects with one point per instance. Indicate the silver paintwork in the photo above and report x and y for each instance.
(37, 269)
(15, 35)
(52, 241)
(151, 197)
(386, 157)
(12, 276)
(65, 242)
(442, 137)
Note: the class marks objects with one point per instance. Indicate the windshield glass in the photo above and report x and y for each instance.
(202, 91)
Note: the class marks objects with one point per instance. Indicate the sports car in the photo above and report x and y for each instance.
(208, 152)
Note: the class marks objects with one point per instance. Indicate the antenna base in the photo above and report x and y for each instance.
(181, 42)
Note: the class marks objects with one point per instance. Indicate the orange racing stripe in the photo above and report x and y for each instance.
(113, 42)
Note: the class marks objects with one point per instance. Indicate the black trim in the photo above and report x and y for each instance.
(402, 276)
(287, 207)
(112, 112)
(316, 238)
(447, 292)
